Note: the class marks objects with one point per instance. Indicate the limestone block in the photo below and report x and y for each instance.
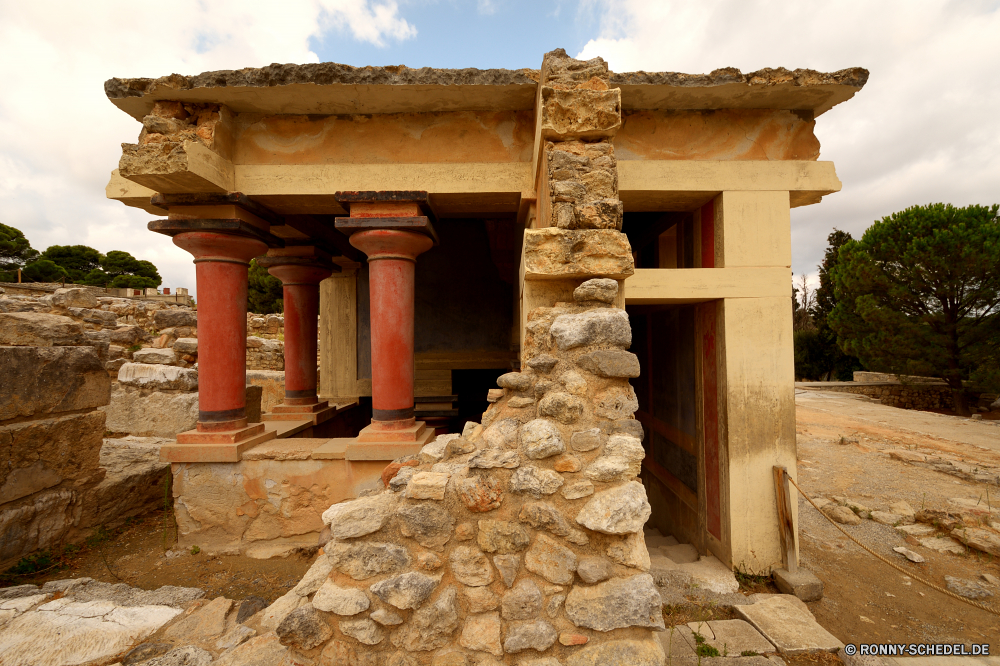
(263, 650)
(516, 381)
(980, 539)
(208, 622)
(546, 516)
(788, 625)
(578, 490)
(540, 439)
(481, 599)
(315, 576)
(480, 493)
(594, 569)
(35, 455)
(551, 560)
(610, 363)
(482, 632)
(174, 318)
(803, 584)
(47, 380)
(501, 536)
(427, 523)
(841, 514)
(553, 253)
(96, 318)
(470, 566)
(508, 566)
(363, 560)
(535, 481)
(630, 551)
(432, 626)
(274, 615)
(616, 403)
(340, 600)
(543, 362)
(186, 345)
(155, 356)
(580, 113)
(360, 516)
(586, 440)
(34, 329)
(427, 485)
(362, 630)
(386, 617)
(74, 297)
(158, 377)
(536, 635)
(491, 458)
(620, 510)
(128, 335)
(616, 604)
(153, 415)
(562, 407)
(303, 629)
(604, 327)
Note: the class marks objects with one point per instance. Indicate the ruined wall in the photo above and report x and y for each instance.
(51, 432)
(908, 396)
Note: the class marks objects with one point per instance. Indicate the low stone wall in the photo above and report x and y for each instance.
(271, 326)
(907, 396)
(866, 376)
(264, 354)
(51, 430)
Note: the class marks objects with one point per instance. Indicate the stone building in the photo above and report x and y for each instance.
(427, 216)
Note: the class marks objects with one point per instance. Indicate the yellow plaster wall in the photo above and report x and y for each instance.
(459, 136)
(758, 428)
(753, 229)
(725, 134)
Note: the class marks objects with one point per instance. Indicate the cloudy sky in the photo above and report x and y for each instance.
(926, 128)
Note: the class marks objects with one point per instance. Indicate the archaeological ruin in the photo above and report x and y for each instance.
(534, 321)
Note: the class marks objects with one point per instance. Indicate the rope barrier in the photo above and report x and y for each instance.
(988, 609)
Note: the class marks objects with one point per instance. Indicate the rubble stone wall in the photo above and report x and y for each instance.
(908, 396)
(519, 541)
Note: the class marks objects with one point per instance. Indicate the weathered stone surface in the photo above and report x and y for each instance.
(611, 468)
(501, 435)
(580, 113)
(406, 590)
(554, 604)
(155, 356)
(274, 614)
(365, 559)
(550, 560)
(540, 439)
(465, 531)
(542, 363)
(174, 318)
(74, 297)
(234, 637)
(532, 635)
(304, 628)
(401, 478)
(616, 403)
(155, 415)
(980, 539)
(567, 463)
(208, 622)
(249, 607)
(619, 653)
(386, 617)
(535, 481)
(482, 632)
(189, 655)
(50, 380)
(605, 327)
(598, 289)
(362, 630)
(594, 569)
(546, 516)
(574, 383)
(562, 407)
(429, 524)
(516, 381)
(610, 363)
(841, 514)
(586, 440)
(186, 345)
(630, 551)
(480, 493)
(340, 600)
(564, 253)
(470, 566)
(434, 451)
(803, 584)
(35, 329)
(625, 446)
(616, 603)
(158, 377)
(361, 516)
(501, 536)
(481, 599)
(508, 566)
(788, 625)
(620, 510)
(523, 601)
(431, 627)
(427, 485)
(490, 458)
(265, 650)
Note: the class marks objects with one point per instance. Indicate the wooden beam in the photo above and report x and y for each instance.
(650, 286)
(786, 528)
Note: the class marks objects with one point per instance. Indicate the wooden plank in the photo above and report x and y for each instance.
(786, 527)
(464, 360)
(338, 336)
(681, 439)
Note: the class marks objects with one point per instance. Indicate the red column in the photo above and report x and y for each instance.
(300, 282)
(392, 256)
(221, 269)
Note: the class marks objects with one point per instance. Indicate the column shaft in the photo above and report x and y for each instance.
(301, 326)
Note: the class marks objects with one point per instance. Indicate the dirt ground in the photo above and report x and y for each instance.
(865, 600)
(135, 554)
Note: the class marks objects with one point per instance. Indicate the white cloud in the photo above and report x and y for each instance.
(486, 7)
(59, 135)
(924, 129)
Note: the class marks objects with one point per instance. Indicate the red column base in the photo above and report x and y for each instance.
(216, 446)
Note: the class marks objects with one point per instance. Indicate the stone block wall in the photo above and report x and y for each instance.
(51, 430)
(908, 396)
(265, 354)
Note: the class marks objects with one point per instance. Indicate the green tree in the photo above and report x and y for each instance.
(43, 270)
(919, 293)
(826, 356)
(265, 294)
(15, 252)
(118, 264)
(78, 260)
